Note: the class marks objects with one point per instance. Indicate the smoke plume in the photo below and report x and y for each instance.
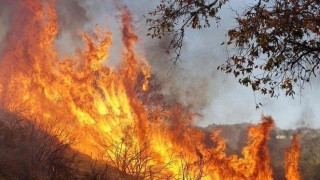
(195, 83)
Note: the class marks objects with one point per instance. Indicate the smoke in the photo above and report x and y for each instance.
(219, 97)
(189, 84)
(72, 17)
(5, 22)
(195, 83)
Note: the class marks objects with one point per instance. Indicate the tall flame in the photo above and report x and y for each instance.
(292, 159)
(101, 107)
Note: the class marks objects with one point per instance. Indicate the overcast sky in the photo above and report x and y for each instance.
(218, 97)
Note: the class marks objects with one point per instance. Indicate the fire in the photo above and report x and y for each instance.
(102, 108)
(292, 159)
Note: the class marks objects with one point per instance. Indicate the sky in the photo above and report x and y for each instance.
(218, 97)
(221, 99)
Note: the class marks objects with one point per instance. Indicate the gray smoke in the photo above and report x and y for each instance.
(195, 83)
(5, 23)
(72, 18)
(217, 96)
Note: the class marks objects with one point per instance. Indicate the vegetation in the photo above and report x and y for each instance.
(309, 140)
(29, 152)
(276, 42)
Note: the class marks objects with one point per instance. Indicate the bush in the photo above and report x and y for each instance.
(28, 151)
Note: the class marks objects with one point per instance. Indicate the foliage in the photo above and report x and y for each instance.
(277, 45)
(174, 16)
(310, 157)
(276, 42)
(29, 152)
(132, 159)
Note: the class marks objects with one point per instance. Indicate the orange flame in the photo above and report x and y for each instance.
(292, 159)
(101, 107)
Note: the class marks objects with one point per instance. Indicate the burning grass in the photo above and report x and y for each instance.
(104, 108)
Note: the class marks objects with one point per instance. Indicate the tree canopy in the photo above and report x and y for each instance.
(276, 42)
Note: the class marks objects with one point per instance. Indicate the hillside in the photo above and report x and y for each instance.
(28, 152)
(309, 164)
